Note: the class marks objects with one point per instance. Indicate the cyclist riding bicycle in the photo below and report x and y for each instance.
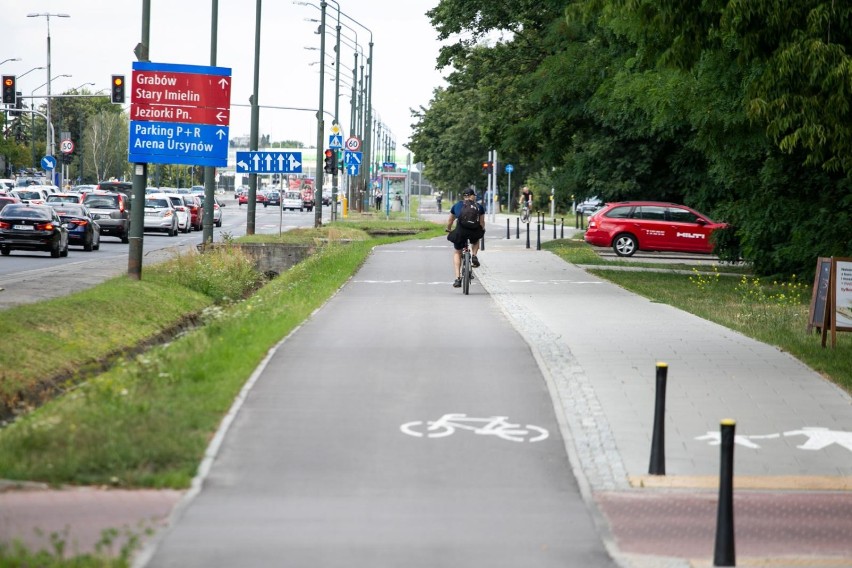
(470, 226)
(526, 200)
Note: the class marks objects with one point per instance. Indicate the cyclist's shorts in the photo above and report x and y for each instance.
(459, 236)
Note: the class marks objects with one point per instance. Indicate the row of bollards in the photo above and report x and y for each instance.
(540, 220)
(724, 551)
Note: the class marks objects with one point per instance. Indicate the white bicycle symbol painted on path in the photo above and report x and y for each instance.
(493, 426)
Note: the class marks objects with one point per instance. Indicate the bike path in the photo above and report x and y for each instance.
(316, 468)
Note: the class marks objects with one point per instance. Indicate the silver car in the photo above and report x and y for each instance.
(160, 214)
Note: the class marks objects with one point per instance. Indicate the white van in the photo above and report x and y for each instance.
(292, 200)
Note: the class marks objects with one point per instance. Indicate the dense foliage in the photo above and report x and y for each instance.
(739, 108)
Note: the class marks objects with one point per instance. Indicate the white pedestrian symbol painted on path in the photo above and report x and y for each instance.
(819, 438)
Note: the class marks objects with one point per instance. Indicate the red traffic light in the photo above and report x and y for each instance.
(329, 153)
(8, 81)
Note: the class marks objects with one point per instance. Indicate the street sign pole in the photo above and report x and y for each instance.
(210, 171)
(140, 172)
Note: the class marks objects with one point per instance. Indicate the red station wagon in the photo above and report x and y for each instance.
(629, 226)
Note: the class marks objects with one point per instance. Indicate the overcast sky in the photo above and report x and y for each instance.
(97, 41)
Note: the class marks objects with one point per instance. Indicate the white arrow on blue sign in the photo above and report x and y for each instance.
(48, 163)
(352, 158)
(269, 162)
(510, 168)
(335, 141)
(353, 169)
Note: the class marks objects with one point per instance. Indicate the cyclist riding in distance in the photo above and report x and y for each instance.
(470, 226)
(526, 198)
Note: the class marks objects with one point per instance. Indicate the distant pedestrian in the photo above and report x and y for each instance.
(438, 198)
(378, 196)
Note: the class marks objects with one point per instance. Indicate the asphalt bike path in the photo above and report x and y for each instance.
(330, 459)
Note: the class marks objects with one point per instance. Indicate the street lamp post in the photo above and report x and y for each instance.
(12, 59)
(49, 145)
(48, 126)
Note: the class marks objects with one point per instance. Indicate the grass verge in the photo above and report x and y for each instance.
(147, 420)
(773, 312)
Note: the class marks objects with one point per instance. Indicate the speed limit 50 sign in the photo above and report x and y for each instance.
(66, 146)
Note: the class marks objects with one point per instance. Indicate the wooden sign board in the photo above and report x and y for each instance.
(841, 296)
(819, 297)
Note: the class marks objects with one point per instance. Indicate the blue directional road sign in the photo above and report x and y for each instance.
(178, 143)
(48, 163)
(352, 162)
(510, 168)
(269, 162)
(335, 141)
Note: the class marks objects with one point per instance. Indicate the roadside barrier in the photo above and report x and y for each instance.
(538, 236)
(562, 227)
(658, 438)
(508, 230)
(528, 235)
(724, 554)
(517, 227)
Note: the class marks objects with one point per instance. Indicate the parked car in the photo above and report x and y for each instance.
(197, 189)
(217, 210)
(33, 195)
(196, 213)
(32, 227)
(588, 206)
(292, 200)
(182, 212)
(112, 211)
(629, 226)
(7, 199)
(64, 198)
(83, 228)
(6, 185)
(160, 214)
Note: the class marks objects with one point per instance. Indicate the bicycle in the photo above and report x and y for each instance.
(466, 269)
(525, 213)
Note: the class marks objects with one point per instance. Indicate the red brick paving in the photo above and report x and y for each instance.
(80, 515)
(766, 524)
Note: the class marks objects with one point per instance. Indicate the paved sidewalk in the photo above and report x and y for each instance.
(597, 346)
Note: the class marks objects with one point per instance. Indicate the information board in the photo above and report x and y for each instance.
(179, 114)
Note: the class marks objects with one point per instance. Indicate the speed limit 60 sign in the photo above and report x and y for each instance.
(66, 146)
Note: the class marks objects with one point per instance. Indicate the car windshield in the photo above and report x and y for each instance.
(161, 203)
(25, 212)
(101, 201)
(176, 200)
(76, 210)
(28, 194)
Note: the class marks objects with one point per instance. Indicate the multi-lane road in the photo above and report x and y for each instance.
(27, 277)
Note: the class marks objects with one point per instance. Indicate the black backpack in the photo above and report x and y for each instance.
(469, 215)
